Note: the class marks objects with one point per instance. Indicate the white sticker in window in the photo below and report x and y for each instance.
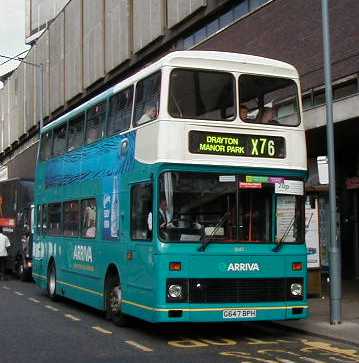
(292, 187)
(227, 178)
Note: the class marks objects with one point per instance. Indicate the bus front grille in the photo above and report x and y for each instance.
(245, 290)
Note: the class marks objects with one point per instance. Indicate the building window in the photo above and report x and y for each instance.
(76, 129)
(120, 111)
(88, 218)
(239, 9)
(141, 212)
(54, 219)
(319, 98)
(345, 89)
(147, 100)
(71, 219)
(307, 101)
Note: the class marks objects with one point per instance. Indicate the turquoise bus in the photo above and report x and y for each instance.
(177, 194)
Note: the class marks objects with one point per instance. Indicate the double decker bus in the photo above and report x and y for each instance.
(177, 195)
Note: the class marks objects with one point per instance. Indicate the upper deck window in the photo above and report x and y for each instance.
(204, 95)
(59, 140)
(268, 100)
(76, 129)
(46, 145)
(147, 100)
(120, 111)
(96, 117)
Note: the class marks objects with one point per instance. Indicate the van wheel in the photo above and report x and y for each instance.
(113, 300)
(51, 282)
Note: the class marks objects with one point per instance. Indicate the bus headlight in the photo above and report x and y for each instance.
(175, 291)
(296, 289)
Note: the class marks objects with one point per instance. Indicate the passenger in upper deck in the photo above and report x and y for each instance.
(150, 113)
(243, 113)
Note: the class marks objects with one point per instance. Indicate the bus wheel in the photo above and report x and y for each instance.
(51, 281)
(114, 302)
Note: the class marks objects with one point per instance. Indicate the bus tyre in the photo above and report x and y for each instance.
(51, 282)
(113, 296)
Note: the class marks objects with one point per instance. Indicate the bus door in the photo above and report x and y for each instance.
(38, 248)
(141, 247)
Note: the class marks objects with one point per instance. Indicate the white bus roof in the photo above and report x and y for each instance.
(224, 61)
(227, 61)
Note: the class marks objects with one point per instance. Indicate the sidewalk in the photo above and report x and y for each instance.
(319, 320)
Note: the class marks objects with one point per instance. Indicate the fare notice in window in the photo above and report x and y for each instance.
(258, 146)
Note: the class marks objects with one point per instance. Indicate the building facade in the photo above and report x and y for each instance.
(88, 45)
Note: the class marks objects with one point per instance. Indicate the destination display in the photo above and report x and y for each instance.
(215, 143)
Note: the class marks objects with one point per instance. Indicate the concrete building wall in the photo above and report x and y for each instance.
(178, 10)
(29, 94)
(5, 116)
(93, 41)
(148, 22)
(73, 49)
(57, 62)
(19, 101)
(42, 52)
(118, 34)
(38, 13)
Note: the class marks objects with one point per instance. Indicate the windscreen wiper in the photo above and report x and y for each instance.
(279, 245)
(206, 241)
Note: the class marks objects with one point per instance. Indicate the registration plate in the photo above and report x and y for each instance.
(240, 313)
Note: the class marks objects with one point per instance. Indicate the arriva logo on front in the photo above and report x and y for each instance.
(243, 267)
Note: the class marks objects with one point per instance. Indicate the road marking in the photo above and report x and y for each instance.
(33, 300)
(101, 330)
(71, 317)
(18, 293)
(51, 308)
(139, 346)
(6, 288)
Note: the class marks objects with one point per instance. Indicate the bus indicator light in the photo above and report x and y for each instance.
(175, 266)
(297, 266)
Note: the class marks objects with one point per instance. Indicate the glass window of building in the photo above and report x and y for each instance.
(95, 123)
(59, 145)
(71, 218)
(205, 95)
(319, 98)
(54, 219)
(120, 111)
(76, 132)
(261, 97)
(226, 19)
(307, 101)
(147, 99)
(345, 89)
(241, 9)
(141, 212)
(46, 145)
(88, 218)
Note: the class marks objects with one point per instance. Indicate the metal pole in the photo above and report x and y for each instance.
(41, 69)
(334, 249)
